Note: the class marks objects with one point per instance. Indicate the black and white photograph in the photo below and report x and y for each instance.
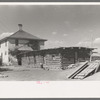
(49, 42)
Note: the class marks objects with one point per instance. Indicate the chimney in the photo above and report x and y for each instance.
(20, 26)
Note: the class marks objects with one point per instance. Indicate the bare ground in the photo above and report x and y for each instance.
(33, 74)
(37, 74)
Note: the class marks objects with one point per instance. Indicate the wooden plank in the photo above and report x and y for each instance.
(78, 70)
(93, 67)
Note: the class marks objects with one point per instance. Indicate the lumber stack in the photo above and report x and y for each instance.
(79, 69)
(91, 69)
(25, 61)
(28, 61)
(39, 60)
(52, 61)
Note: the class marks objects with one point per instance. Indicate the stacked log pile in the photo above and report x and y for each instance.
(39, 60)
(24, 61)
(28, 61)
(52, 61)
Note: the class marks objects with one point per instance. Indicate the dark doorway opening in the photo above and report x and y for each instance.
(19, 60)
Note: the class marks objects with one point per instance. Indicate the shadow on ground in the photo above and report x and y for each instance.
(5, 69)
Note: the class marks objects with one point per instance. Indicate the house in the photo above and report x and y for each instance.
(56, 58)
(21, 41)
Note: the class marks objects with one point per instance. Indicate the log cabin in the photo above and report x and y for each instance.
(56, 58)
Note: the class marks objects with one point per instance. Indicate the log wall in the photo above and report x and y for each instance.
(56, 58)
(66, 62)
(28, 61)
(52, 61)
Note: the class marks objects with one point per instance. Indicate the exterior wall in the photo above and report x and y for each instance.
(28, 61)
(68, 57)
(35, 44)
(83, 55)
(39, 61)
(20, 43)
(66, 62)
(41, 45)
(58, 58)
(52, 61)
(74, 56)
(4, 52)
(32, 61)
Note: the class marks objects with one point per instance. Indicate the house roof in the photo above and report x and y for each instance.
(74, 47)
(57, 50)
(20, 34)
(63, 49)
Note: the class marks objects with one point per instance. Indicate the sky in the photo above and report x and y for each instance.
(61, 25)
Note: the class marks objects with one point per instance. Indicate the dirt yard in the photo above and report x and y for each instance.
(37, 74)
(32, 74)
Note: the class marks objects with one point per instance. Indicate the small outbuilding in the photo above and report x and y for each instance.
(56, 58)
